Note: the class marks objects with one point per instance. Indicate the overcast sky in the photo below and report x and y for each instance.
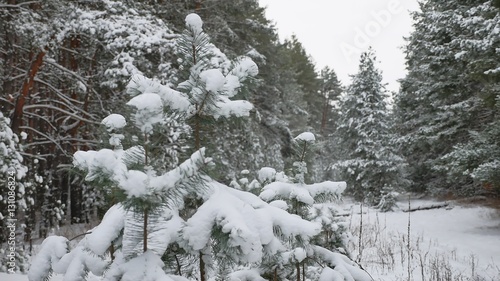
(335, 32)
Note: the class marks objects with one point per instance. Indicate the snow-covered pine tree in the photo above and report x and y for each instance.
(13, 202)
(475, 162)
(479, 158)
(330, 89)
(450, 89)
(221, 236)
(209, 78)
(135, 231)
(313, 202)
(368, 159)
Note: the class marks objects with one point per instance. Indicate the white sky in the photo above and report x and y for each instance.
(335, 32)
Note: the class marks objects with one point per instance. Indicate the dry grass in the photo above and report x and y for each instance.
(390, 256)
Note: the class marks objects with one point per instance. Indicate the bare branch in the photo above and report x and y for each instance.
(45, 136)
(58, 92)
(42, 118)
(16, 6)
(60, 67)
(34, 106)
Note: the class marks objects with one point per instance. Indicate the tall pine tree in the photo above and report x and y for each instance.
(368, 161)
(450, 89)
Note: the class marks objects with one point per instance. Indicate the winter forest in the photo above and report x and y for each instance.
(184, 140)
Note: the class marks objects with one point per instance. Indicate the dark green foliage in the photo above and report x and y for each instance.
(449, 92)
(364, 139)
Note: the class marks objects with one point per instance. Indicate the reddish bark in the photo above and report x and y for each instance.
(197, 7)
(17, 117)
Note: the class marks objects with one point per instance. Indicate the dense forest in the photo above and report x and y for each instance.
(66, 67)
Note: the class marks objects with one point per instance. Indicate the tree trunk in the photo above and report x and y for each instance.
(303, 272)
(178, 265)
(298, 271)
(145, 237)
(197, 7)
(202, 268)
(27, 85)
(197, 128)
(324, 117)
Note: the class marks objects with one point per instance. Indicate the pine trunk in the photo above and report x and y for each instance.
(145, 238)
(324, 117)
(298, 271)
(202, 268)
(27, 85)
(303, 272)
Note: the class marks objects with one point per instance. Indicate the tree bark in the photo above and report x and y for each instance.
(298, 271)
(197, 7)
(202, 268)
(324, 117)
(27, 85)
(145, 237)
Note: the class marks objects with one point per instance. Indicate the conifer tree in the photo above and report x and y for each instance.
(331, 89)
(312, 202)
(367, 157)
(14, 202)
(450, 89)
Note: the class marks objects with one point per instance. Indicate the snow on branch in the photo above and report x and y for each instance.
(51, 251)
(340, 267)
(174, 99)
(249, 223)
(307, 194)
(107, 231)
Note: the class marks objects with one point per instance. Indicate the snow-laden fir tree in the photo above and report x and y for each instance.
(313, 202)
(330, 90)
(368, 159)
(13, 200)
(450, 90)
(479, 158)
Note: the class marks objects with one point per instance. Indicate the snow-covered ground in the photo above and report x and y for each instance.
(454, 243)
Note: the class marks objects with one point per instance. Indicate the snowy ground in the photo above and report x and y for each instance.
(455, 243)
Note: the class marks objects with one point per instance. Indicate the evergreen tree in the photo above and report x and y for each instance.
(368, 159)
(331, 90)
(450, 89)
(14, 201)
(478, 158)
(314, 202)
